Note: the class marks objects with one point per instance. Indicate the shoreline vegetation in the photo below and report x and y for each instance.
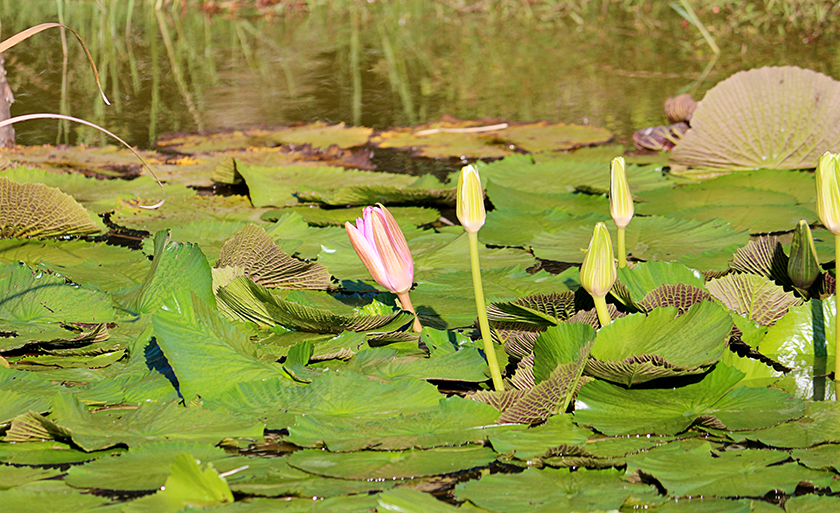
(202, 65)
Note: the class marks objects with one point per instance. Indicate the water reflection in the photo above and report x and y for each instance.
(393, 63)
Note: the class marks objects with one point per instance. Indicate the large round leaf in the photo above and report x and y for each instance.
(642, 347)
(772, 117)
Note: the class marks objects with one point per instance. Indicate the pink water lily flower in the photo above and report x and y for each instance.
(381, 246)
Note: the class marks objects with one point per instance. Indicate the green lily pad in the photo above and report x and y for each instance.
(176, 266)
(647, 276)
(273, 477)
(559, 490)
(804, 330)
(715, 401)
(317, 134)
(36, 297)
(648, 238)
(544, 440)
(100, 196)
(383, 363)
(642, 347)
(142, 468)
(812, 504)
(456, 422)
(690, 468)
(180, 211)
(316, 216)
(149, 422)
(367, 465)
(58, 497)
(335, 393)
(821, 424)
(188, 485)
(823, 457)
(276, 186)
(752, 218)
(207, 354)
(48, 453)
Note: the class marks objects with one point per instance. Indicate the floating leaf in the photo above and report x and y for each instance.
(176, 266)
(772, 117)
(207, 354)
(689, 468)
(648, 238)
(559, 490)
(146, 423)
(647, 276)
(247, 301)
(821, 424)
(715, 401)
(753, 296)
(642, 347)
(556, 433)
(187, 486)
(765, 257)
(456, 422)
(35, 210)
(368, 465)
(267, 265)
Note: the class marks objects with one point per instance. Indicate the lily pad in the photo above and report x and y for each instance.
(559, 490)
(36, 210)
(648, 238)
(262, 261)
(754, 297)
(772, 117)
(391, 464)
(642, 347)
(146, 423)
(715, 401)
(690, 468)
(456, 422)
(317, 134)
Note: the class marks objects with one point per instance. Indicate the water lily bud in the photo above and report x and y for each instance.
(828, 191)
(470, 203)
(597, 274)
(621, 201)
(803, 265)
(381, 246)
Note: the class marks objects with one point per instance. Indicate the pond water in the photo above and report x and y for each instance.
(400, 63)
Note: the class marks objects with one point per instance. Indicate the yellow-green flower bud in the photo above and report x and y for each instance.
(828, 191)
(470, 203)
(803, 264)
(621, 201)
(597, 274)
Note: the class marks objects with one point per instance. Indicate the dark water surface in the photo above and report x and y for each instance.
(400, 63)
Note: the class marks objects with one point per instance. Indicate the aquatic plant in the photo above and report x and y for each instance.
(597, 273)
(828, 208)
(382, 248)
(471, 214)
(804, 264)
(621, 204)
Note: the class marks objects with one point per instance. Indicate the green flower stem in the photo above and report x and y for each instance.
(489, 350)
(837, 321)
(601, 309)
(405, 301)
(622, 251)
